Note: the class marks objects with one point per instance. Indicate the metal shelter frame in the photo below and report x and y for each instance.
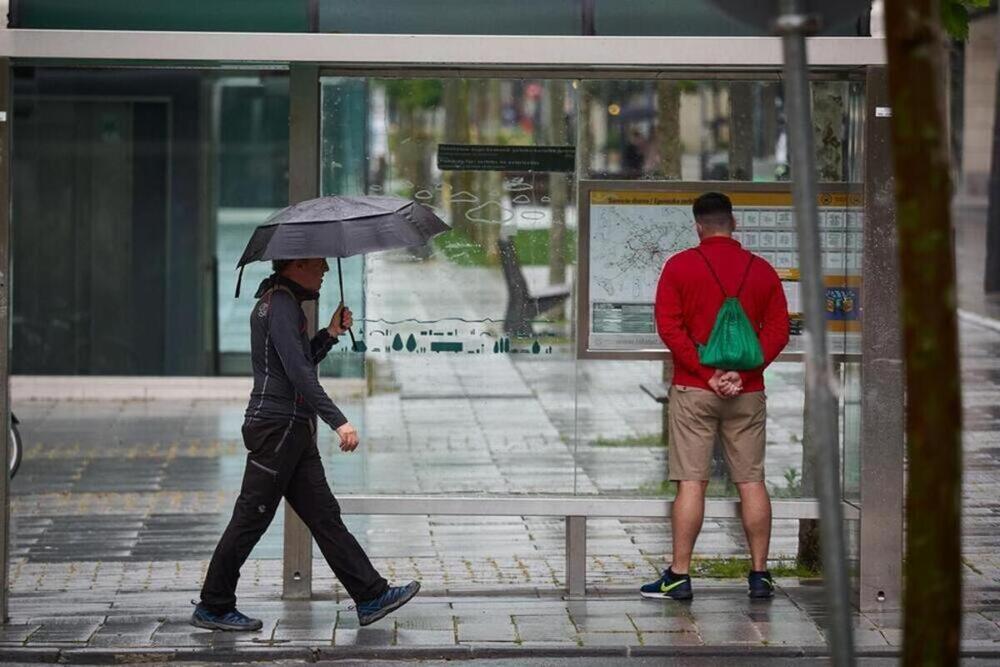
(311, 56)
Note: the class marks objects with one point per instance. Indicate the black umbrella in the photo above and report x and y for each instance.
(341, 227)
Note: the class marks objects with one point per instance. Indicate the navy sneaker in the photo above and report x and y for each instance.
(670, 585)
(231, 620)
(393, 598)
(761, 585)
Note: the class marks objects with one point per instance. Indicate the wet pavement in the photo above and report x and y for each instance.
(118, 505)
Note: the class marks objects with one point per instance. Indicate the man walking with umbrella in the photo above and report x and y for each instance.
(279, 428)
(283, 459)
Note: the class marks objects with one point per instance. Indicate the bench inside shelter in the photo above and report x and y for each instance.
(524, 304)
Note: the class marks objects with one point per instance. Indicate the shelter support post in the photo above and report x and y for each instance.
(303, 183)
(881, 539)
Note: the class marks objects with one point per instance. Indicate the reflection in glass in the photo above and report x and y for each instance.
(455, 384)
(705, 130)
(249, 121)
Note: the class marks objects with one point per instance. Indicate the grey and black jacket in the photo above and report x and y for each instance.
(285, 384)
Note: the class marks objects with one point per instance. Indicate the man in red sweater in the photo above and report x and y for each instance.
(706, 403)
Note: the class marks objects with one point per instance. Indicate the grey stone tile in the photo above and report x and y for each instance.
(670, 639)
(179, 640)
(727, 629)
(790, 632)
(364, 637)
(616, 623)
(135, 628)
(406, 637)
(439, 622)
(609, 639)
(17, 633)
(64, 632)
(499, 631)
(288, 632)
(658, 609)
(544, 628)
(664, 624)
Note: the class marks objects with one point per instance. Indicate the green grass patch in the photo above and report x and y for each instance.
(737, 568)
(717, 488)
(792, 488)
(532, 246)
(647, 440)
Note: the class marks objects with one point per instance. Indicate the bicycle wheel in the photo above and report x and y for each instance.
(15, 449)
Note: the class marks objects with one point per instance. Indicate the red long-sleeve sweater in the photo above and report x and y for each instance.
(688, 299)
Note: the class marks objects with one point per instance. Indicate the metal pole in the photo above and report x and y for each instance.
(821, 425)
(303, 183)
(6, 116)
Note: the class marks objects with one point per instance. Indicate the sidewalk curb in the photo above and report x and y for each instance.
(98, 656)
(979, 320)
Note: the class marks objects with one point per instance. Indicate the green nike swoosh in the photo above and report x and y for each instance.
(666, 589)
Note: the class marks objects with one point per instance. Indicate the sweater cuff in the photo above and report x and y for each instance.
(337, 420)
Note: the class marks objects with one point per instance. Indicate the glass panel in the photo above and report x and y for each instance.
(685, 130)
(851, 387)
(250, 131)
(434, 17)
(457, 400)
(525, 17)
(683, 18)
(181, 15)
(112, 239)
(710, 131)
(344, 171)
(451, 17)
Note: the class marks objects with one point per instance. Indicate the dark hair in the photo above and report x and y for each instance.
(711, 204)
(278, 265)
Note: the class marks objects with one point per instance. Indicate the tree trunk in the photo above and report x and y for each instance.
(991, 281)
(741, 131)
(456, 105)
(489, 184)
(828, 129)
(558, 188)
(828, 133)
(584, 133)
(668, 129)
(932, 620)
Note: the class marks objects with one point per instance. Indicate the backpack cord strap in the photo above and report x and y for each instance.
(745, 274)
(714, 274)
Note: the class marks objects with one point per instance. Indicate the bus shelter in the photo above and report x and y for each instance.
(576, 139)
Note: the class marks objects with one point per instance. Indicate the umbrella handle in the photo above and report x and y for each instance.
(350, 332)
(340, 279)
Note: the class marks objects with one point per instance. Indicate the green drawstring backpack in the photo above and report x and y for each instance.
(733, 344)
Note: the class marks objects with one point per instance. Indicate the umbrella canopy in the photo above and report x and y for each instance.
(342, 227)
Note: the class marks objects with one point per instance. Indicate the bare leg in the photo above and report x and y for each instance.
(685, 521)
(756, 515)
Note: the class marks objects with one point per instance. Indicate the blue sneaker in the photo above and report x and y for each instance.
(231, 620)
(670, 585)
(393, 598)
(761, 585)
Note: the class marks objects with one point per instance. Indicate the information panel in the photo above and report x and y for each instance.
(628, 230)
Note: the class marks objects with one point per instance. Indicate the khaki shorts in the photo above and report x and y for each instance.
(698, 415)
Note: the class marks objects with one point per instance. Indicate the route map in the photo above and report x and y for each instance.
(632, 233)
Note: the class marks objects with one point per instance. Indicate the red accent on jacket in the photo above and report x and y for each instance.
(688, 300)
